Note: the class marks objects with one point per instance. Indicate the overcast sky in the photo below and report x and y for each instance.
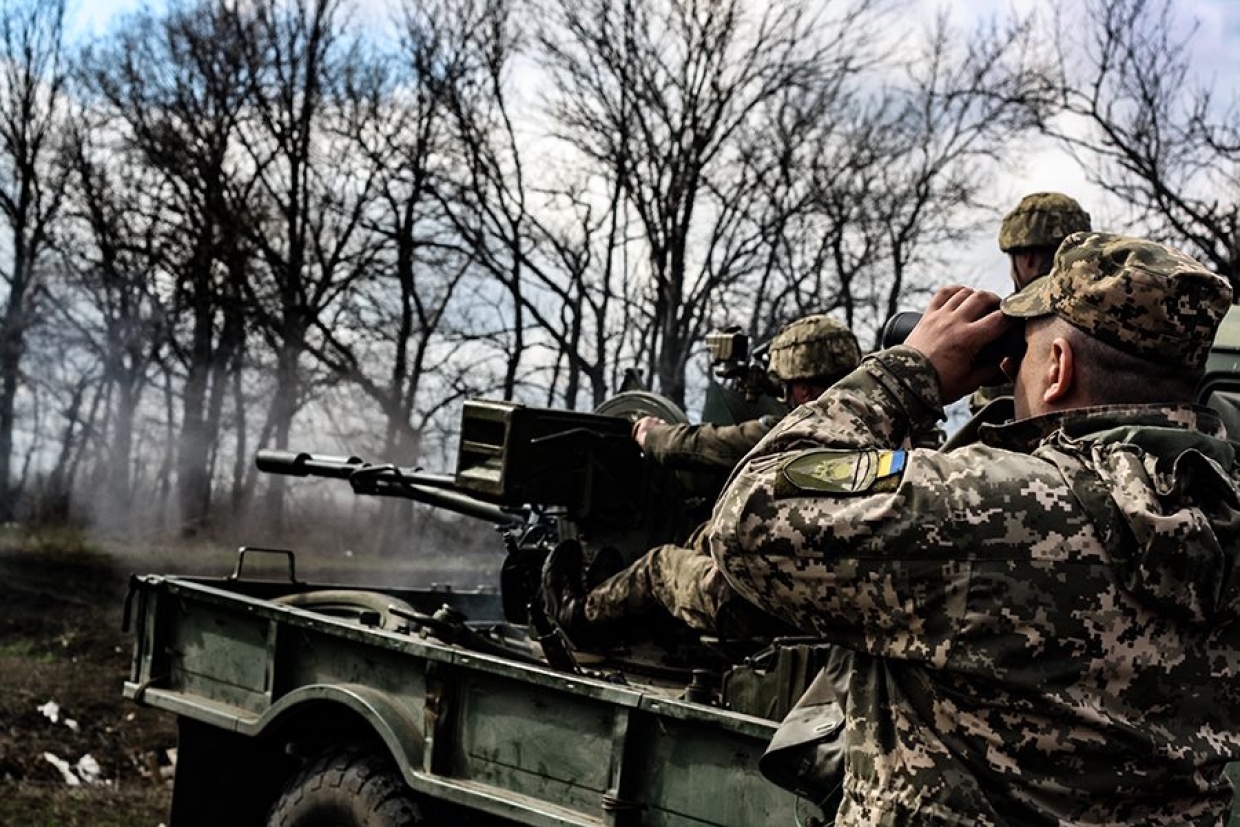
(1217, 38)
(1216, 43)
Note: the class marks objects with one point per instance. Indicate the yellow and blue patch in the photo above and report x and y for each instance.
(834, 471)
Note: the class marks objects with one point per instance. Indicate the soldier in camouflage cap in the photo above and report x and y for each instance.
(807, 356)
(1117, 290)
(1045, 624)
(1032, 232)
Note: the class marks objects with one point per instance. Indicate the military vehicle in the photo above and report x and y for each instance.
(306, 704)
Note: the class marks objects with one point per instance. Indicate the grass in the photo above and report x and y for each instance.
(51, 805)
(17, 649)
(57, 542)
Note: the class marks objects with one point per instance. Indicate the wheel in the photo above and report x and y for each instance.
(346, 787)
(633, 405)
(368, 608)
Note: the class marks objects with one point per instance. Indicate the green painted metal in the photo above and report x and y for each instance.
(487, 733)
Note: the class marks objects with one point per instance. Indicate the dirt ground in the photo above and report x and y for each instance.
(63, 658)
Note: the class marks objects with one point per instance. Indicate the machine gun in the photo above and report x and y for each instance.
(540, 476)
(738, 367)
(386, 480)
(740, 389)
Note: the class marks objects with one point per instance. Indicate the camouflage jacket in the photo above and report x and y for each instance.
(706, 445)
(1044, 621)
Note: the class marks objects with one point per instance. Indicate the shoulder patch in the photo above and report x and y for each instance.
(834, 471)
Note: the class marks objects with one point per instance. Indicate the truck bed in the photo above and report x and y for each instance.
(503, 737)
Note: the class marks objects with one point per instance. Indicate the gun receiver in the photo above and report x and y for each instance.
(512, 460)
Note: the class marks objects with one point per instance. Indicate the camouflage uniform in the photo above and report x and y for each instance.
(810, 348)
(1045, 622)
(682, 580)
(705, 445)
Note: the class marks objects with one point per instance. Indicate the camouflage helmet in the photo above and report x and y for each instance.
(812, 347)
(1042, 219)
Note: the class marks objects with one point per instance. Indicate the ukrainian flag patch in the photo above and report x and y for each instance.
(834, 471)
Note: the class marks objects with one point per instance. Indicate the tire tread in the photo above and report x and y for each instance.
(346, 787)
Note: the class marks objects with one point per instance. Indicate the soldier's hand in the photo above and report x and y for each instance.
(643, 427)
(959, 322)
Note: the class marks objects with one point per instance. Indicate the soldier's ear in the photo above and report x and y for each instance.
(1060, 373)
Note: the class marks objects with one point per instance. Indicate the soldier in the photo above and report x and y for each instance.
(806, 356)
(1030, 234)
(1043, 624)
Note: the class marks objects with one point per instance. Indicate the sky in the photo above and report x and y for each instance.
(1216, 43)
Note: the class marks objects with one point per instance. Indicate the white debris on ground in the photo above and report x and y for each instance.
(66, 770)
(51, 711)
(87, 769)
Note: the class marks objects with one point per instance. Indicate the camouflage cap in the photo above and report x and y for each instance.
(1135, 295)
(812, 347)
(1042, 219)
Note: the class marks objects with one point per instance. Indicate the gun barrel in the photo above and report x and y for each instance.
(293, 463)
(439, 490)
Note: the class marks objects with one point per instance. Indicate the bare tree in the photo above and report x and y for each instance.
(32, 116)
(395, 318)
(865, 205)
(1145, 129)
(950, 127)
(487, 193)
(656, 93)
(174, 88)
(110, 300)
(532, 241)
(315, 189)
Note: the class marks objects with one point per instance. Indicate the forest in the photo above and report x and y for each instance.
(228, 225)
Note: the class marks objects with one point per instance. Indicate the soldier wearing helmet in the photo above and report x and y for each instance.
(1032, 232)
(806, 357)
(812, 352)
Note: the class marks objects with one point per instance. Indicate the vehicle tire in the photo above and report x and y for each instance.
(348, 787)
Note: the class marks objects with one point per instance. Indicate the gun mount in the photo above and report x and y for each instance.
(540, 476)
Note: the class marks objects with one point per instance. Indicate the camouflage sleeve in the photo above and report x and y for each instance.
(705, 445)
(881, 571)
(889, 397)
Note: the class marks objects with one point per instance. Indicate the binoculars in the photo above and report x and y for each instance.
(1011, 344)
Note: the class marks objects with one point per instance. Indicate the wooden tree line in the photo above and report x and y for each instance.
(233, 224)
